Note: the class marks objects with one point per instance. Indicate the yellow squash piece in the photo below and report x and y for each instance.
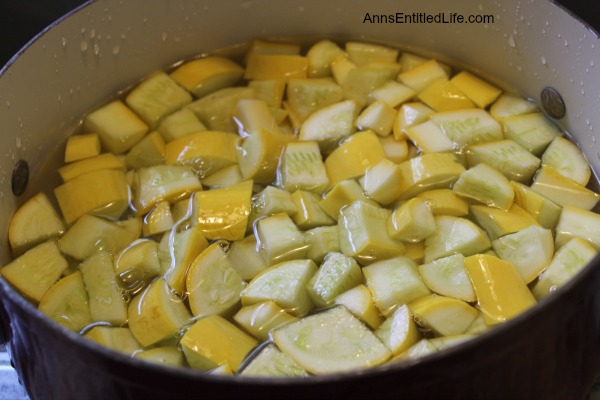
(399, 331)
(82, 146)
(164, 355)
(216, 109)
(261, 318)
(412, 221)
(276, 66)
(138, 264)
(104, 192)
(279, 239)
(359, 301)
(101, 161)
(147, 152)
(544, 210)
(258, 155)
(498, 222)
(206, 151)
(353, 157)
(445, 315)
(212, 284)
(34, 222)
(481, 92)
(119, 128)
(158, 220)
(575, 222)
(214, 341)
(423, 74)
(252, 115)
(223, 213)
(429, 171)
(207, 74)
(443, 95)
(447, 276)
(34, 272)
(562, 190)
(309, 213)
(382, 182)
(116, 338)
(342, 194)
(271, 362)
(66, 302)
(271, 91)
(410, 114)
(445, 202)
(501, 291)
(157, 314)
(180, 123)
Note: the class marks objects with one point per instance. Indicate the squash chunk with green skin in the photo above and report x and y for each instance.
(562, 190)
(157, 314)
(285, 284)
(445, 315)
(486, 185)
(115, 338)
(568, 160)
(34, 222)
(429, 171)
(394, 282)
(301, 168)
(530, 250)
(412, 221)
(363, 233)
(544, 210)
(359, 301)
(567, 261)
(353, 157)
(156, 97)
(66, 302)
(455, 235)
(212, 284)
(337, 274)
(279, 239)
(501, 292)
(223, 213)
(331, 341)
(447, 276)
(575, 222)
(468, 126)
(117, 125)
(498, 222)
(162, 183)
(271, 362)
(214, 341)
(90, 234)
(261, 318)
(104, 192)
(35, 271)
(533, 131)
(106, 302)
(399, 331)
(508, 157)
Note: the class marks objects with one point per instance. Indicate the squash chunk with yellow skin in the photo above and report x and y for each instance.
(101, 161)
(206, 152)
(353, 157)
(34, 222)
(258, 155)
(399, 331)
(455, 235)
(157, 314)
(276, 66)
(498, 222)
(34, 272)
(429, 171)
(223, 213)
(445, 315)
(478, 90)
(115, 338)
(83, 146)
(260, 318)
(486, 185)
(443, 95)
(359, 301)
(445, 202)
(501, 291)
(207, 74)
(562, 190)
(214, 341)
(66, 302)
(104, 192)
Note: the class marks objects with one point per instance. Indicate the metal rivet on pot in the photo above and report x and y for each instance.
(553, 103)
(20, 177)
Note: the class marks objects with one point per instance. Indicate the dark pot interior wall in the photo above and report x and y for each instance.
(23, 19)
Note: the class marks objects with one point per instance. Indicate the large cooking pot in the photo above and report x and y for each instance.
(550, 352)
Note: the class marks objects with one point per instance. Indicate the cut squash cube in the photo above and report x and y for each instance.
(412, 221)
(66, 302)
(363, 233)
(429, 138)
(208, 74)
(447, 276)
(544, 210)
(252, 115)
(408, 115)
(342, 194)
(501, 291)
(341, 67)
(330, 124)
(533, 131)
(214, 341)
(270, 91)
(309, 213)
(223, 213)
(399, 331)
(320, 56)
(321, 241)
(116, 338)
(276, 66)
(508, 157)
(35, 271)
(301, 167)
(279, 239)
(568, 160)
(410, 60)
(562, 190)
(163, 355)
(455, 235)
(359, 301)
(271, 362)
(392, 93)
(305, 96)
(103, 192)
(158, 220)
(147, 152)
(258, 155)
(530, 250)
(568, 260)
(443, 95)
(481, 92)
(393, 283)
(212, 284)
(117, 125)
(156, 97)
(102, 161)
(486, 185)
(138, 264)
(576, 222)
(509, 105)
(82, 146)
(285, 284)
(445, 202)
(261, 318)
(498, 222)
(361, 81)
(422, 75)
(361, 53)
(224, 177)
(34, 222)
(427, 172)
(444, 315)
(378, 116)
(382, 182)
(394, 150)
(468, 126)
(331, 341)
(182, 122)
(337, 274)
(216, 109)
